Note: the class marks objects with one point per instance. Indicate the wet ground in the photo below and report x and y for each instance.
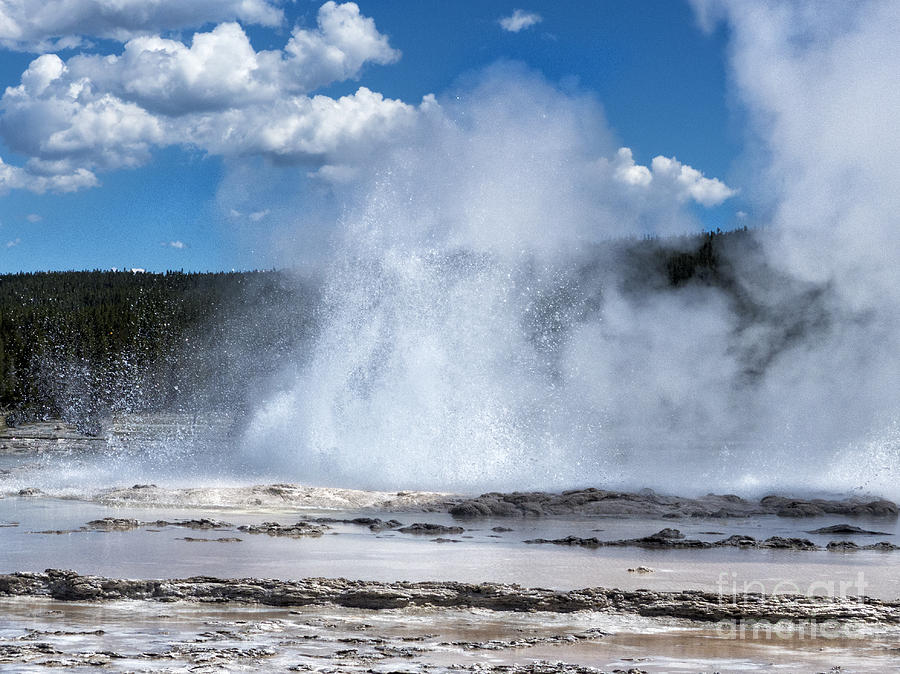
(38, 635)
(40, 530)
(481, 552)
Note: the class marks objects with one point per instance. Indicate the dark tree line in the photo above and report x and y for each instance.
(81, 344)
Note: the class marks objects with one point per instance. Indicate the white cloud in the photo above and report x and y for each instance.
(520, 20)
(689, 183)
(217, 95)
(13, 243)
(220, 70)
(14, 177)
(629, 172)
(33, 218)
(301, 128)
(670, 177)
(46, 25)
(178, 245)
(256, 216)
(343, 42)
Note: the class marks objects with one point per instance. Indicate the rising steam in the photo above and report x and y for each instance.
(473, 335)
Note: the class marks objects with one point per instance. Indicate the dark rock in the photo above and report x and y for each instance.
(847, 529)
(737, 541)
(666, 538)
(674, 539)
(298, 530)
(693, 605)
(668, 533)
(113, 524)
(569, 540)
(799, 509)
(202, 523)
(378, 525)
(787, 507)
(779, 543)
(647, 502)
(374, 523)
(883, 546)
(426, 529)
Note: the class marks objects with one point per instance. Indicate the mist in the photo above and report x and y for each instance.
(476, 332)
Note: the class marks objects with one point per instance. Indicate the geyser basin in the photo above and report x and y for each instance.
(477, 554)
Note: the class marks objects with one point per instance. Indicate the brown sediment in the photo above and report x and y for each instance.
(689, 604)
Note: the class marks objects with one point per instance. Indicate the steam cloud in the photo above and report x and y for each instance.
(464, 346)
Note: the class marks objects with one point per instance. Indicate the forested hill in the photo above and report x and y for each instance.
(81, 345)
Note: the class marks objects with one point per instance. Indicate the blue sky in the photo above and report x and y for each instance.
(662, 83)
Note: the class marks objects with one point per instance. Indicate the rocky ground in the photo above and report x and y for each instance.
(373, 595)
(48, 635)
(313, 643)
(582, 502)
(647, 502)
(62, 620)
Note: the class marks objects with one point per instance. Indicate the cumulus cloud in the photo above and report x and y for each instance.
(216, 94)
(177, 245)
(13, 243)
(519, 20)
(45, 25)
(220, 69)
(344, 41)
(670, 178)
(627, 171)
(16, 178)
(34, 218)
(689, 183)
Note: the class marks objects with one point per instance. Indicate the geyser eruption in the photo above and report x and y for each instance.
(477, 329)
(456, 340)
